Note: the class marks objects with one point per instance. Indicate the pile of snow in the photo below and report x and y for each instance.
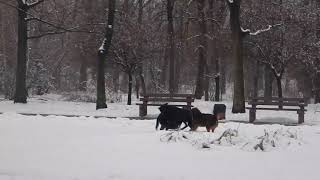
(248, 138)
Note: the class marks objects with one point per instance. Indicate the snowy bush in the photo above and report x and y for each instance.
(269, 140)
(273, 139)
(38, 80)
(79, 96)
(90, 96)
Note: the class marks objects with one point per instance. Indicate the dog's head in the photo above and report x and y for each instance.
(196, 113)
(163, 107)
(220, 116)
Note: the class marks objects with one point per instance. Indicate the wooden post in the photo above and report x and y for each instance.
(188, 102)
(143, 109)
(252, 115)
(300, 115)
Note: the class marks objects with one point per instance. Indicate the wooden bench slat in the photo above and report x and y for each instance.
(169, 95)
(182, 105)
(160, 99)
(277, 103)
(166, 100)
(279, 99)
(277, 109)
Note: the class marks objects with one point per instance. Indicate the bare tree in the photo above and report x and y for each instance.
(202, 48)
(171, 45)
(21, 90)
(102, 53)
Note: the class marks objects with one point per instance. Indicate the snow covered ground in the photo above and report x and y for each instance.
(88, 148)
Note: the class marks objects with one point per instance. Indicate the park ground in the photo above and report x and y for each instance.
(51, 139)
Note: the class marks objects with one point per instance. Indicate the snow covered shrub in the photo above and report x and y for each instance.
(227, 137)
(7, 82)
(274, 139)
(198, 140)
(174, 136)
(38, 80)
(80, 96)
(113, 96)
(90, 96)
(247, 139)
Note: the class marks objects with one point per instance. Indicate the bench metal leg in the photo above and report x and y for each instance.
(300, 117)
(252, 115)
(142, 110)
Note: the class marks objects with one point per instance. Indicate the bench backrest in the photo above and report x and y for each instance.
(168, 97)
(278, 101)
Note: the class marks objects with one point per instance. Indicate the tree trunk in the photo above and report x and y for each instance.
(217, 82)
(137, 87)
(318, 21)
(83, 75)
(181, 53)
(202, 55)
(140, 68)
(223, 79)
(115, 80)
(237, 35)
(102, 53)
(278, 79)
(317, 96)
(101, 89)
(256, 79)
(217, 79)
(316, 88)
(2, 53)
(164, 69)
(268, 79)
(215, 55)
(21, 90)
(129, 88)
(206, 84)
(142, 82)
(171, 47)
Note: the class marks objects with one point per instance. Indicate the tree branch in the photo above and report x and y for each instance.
(248, 31)
(31, 5)
(61, 32)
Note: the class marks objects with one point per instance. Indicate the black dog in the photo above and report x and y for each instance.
(171, 117)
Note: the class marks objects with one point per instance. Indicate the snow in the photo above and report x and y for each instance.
(101, 48)
(82, 148)
(260, 30)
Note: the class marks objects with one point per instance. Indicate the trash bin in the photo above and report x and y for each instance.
(219, 110)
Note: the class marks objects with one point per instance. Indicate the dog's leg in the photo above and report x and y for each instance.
(162, 127)
(157, 124)
(194, 128)
(213, 128)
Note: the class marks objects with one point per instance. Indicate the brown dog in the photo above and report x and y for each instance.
(203, 120)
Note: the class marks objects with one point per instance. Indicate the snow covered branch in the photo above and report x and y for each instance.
(34, 4)
(61, 30)
(248, 31)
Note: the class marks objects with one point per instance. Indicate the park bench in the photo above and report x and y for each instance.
(160, 99)
(277, 104)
